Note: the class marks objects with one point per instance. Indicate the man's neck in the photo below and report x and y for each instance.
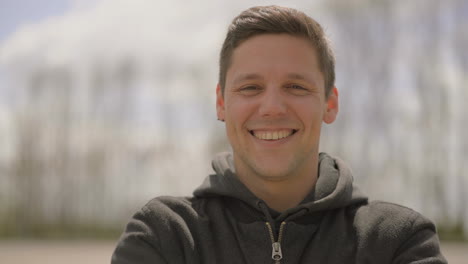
(282, 194)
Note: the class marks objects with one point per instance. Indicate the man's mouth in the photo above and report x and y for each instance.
(272, 134)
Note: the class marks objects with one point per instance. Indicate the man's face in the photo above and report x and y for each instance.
(273, 105)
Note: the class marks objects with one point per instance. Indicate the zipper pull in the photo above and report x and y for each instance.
(276, 252)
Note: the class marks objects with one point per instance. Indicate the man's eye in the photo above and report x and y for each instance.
(298, 87)
(249, 88)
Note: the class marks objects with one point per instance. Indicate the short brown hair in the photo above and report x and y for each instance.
(276, 20)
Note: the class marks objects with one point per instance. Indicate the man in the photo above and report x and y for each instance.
(276, 199)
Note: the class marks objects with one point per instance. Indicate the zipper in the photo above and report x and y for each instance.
(276, 253)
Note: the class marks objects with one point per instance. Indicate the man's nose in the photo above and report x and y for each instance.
(272, 103)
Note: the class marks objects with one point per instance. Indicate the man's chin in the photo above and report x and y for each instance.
(267, 167)
(273, 172)
(275, 177)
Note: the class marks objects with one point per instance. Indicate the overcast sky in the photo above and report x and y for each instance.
(17, 13)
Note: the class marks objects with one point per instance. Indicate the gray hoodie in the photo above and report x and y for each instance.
(225, 223)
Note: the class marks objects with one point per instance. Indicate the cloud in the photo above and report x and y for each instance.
(112, 29)
(109, 29)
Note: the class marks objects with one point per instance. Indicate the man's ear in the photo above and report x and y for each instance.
(332, 107)
(219, 103)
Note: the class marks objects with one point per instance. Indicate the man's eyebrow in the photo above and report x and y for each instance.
(246, 77)
(256, 76)
(301, 77)
(298, 76)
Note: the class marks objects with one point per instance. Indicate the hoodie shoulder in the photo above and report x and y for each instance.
(406, 234)
(161, 230)
(167, 203)
(160, 213)
(390, 219)
(165, 208)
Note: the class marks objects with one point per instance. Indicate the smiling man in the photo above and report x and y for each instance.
(274, 101)
(275, 198)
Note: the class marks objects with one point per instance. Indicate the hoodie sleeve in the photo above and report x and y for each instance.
(138, 244)
(422, 244)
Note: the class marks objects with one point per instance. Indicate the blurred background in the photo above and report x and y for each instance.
(105, 104)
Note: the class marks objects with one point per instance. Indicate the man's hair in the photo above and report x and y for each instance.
(276, 20)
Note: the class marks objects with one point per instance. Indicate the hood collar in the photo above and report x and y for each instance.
(334, 187)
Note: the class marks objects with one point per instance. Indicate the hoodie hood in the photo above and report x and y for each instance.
(334, 187)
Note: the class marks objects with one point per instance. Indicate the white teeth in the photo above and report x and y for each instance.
(275, 135)
(272, 135)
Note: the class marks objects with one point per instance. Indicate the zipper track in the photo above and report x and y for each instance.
(276, 253)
